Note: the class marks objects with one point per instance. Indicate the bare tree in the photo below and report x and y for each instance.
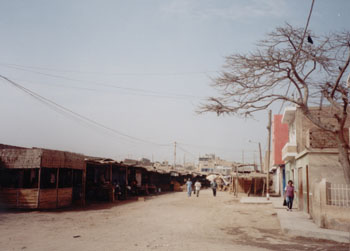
(286, 68)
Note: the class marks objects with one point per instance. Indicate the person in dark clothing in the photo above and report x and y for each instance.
(289, 195)
(214, 185)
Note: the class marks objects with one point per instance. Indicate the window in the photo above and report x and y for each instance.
(48, 178)
(9, 178)
(65, 178)
(19, 178)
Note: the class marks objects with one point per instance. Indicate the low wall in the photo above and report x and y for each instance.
(65, 197)
(328, 216)
(52, 198)
(18, 197)
(48, 198)
(337, 218)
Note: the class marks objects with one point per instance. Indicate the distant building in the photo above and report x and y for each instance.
(162, 165)
(226, 170)
(190, 166)
(206, 163)
(211, 163)
(130, 161)
(143, 162)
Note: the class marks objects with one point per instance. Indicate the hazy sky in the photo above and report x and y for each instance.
(139, 67)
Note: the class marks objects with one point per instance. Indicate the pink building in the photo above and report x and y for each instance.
(280, 137)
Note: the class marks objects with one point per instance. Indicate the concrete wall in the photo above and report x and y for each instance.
(327, 216)
(320, 164)
(325, 165)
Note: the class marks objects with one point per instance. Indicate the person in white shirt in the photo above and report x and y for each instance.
(198, 187)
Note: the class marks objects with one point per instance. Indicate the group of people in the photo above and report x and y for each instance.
(288, 195)
(198, 185)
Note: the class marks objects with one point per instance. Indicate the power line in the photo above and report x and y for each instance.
(114, 73)
(61, 109)
(176, 95)
(102, 90)
(184, 150)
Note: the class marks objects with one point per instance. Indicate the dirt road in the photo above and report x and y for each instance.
(165, 222)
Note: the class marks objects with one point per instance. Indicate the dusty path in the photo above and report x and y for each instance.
(166, 222)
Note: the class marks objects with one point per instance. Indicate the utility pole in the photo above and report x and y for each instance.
(268, 158)
(174, 155)
(261, 162)
(236, 189)
(255, 165)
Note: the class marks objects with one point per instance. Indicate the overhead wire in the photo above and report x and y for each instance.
(184, 150)
(115, 73)
(137, 90)
(61, 109)
(102, 90)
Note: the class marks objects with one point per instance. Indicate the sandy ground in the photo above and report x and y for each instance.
(165, 222)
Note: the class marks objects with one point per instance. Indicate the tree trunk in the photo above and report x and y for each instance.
(343, 148)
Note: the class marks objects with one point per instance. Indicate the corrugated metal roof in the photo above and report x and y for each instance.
(37, 157)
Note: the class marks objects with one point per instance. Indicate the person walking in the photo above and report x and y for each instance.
(189, 187)
(289, 195)
(214, 185)
(197, 185)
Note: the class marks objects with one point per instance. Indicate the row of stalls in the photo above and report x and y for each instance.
(109, 180)
(45, 179)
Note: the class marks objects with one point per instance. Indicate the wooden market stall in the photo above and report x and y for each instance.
(40, 178)
(102, 176)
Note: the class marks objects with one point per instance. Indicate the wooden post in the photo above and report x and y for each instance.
(236, 181)
(263, 191)
(254, 186)
(110, 173)
(17, 194)
(72, 184)
(72, 178)
(261, 162)
(126, 182)
(307, 190)
(268, 158)
(57, 180)
(83, 186)
(111, 182)
(39, 181)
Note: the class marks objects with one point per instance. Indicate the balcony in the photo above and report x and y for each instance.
(289, 114)
(289, 152)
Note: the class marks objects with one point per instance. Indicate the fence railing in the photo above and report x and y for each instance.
(338, 194)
